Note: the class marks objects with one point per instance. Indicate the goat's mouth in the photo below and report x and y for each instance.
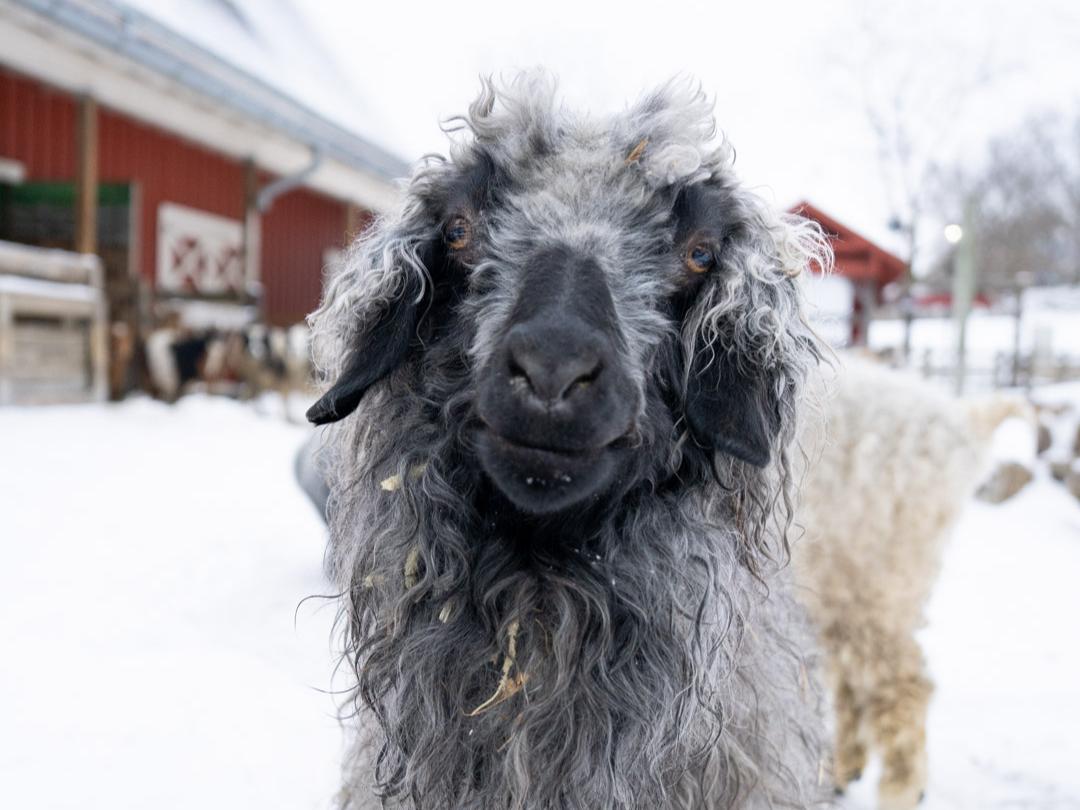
(543, 480)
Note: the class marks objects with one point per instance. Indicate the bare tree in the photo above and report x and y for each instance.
(1069, 168)
(1026, 204)
(1022, 200)
(913, 86)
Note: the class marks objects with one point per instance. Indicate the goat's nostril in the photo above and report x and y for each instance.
(516, 371)
(547, 363)
(583, 380)
(588, 378)
(519, 376)
(550, 377)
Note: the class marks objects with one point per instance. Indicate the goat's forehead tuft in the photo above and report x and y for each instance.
(668, 137)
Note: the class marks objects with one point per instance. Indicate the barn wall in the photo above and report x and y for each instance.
(37, 128)
(167, 169)
(296, 233)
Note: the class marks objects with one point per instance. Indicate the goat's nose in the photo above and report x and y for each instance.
(549, 364)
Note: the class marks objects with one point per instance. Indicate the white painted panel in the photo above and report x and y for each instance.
(198, 252)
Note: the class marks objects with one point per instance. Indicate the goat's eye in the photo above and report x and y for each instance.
(700, 258)
(458, 233)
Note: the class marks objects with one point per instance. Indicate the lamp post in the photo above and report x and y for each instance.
(1022, 281)
(963, 286)
(907, 306)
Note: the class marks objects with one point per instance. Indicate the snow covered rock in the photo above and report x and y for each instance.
(1045, 438)
(1060, 470)
(1072, 480)
(1008, 478)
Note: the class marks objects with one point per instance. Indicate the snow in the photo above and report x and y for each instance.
(153, 561)
(1047, 331)
(206, 314)
(1061, 416)
(57, 290)
(48, 263)
(1015, 441)
(272, 41)
(155, 556)
(1002, 648)
(830, 300)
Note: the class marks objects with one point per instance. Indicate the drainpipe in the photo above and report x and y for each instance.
(287, 183)
(256, 203)
(86, 177)
(252, 235)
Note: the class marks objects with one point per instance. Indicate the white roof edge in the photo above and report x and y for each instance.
(38, 48)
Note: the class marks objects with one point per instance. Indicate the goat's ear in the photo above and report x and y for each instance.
(740, 393)
(379, 350)
(731, 411)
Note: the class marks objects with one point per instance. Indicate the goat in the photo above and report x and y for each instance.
(564, 380)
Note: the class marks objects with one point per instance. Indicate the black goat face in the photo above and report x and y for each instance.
(573, 356)
(556, 399)
(606, 298)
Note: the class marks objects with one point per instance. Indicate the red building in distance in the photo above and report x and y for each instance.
(862, 271)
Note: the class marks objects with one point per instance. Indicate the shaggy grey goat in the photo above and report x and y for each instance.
(558, 515)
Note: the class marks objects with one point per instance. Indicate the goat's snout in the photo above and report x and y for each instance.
(556, 383)
(556, 396)
(551, 365)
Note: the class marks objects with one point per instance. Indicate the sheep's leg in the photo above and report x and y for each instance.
(850, 751)
(845, 659)
(898, 719)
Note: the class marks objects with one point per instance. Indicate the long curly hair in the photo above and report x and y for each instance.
(640, 650)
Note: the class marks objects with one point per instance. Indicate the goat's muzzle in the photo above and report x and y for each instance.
(555, 400)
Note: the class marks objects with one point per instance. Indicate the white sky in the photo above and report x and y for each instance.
(788, 77)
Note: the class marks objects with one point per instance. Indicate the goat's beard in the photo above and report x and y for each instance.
(499, 665)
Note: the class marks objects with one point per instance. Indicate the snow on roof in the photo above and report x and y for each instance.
(846, 241)
(244, 77)
(19, 285)
(271, 41)
(49, 263)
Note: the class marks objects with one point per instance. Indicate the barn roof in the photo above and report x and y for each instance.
(244, 76)
(857, 257)
(273, 43)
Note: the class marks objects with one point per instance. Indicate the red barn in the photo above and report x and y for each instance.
(862, 271)
(207, 189)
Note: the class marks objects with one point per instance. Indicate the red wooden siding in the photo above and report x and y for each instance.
(857, 258)
(37, 128)
(167, 169)
(296, 233)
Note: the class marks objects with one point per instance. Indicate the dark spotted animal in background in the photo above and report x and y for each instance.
(245, 362)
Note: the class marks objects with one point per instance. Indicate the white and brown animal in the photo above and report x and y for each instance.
(891, 462)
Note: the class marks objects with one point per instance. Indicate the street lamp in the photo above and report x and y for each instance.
(953, 234)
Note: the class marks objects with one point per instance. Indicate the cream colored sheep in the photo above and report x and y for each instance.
(890, 466)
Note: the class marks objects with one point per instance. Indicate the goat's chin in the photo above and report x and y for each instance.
(541, 481)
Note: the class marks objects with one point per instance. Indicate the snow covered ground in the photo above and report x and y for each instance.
(154, 654)
(1003, 643)
(153, 559)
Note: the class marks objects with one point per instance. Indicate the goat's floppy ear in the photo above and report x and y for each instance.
(729, 410)
(379, 350)
(748, 345)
